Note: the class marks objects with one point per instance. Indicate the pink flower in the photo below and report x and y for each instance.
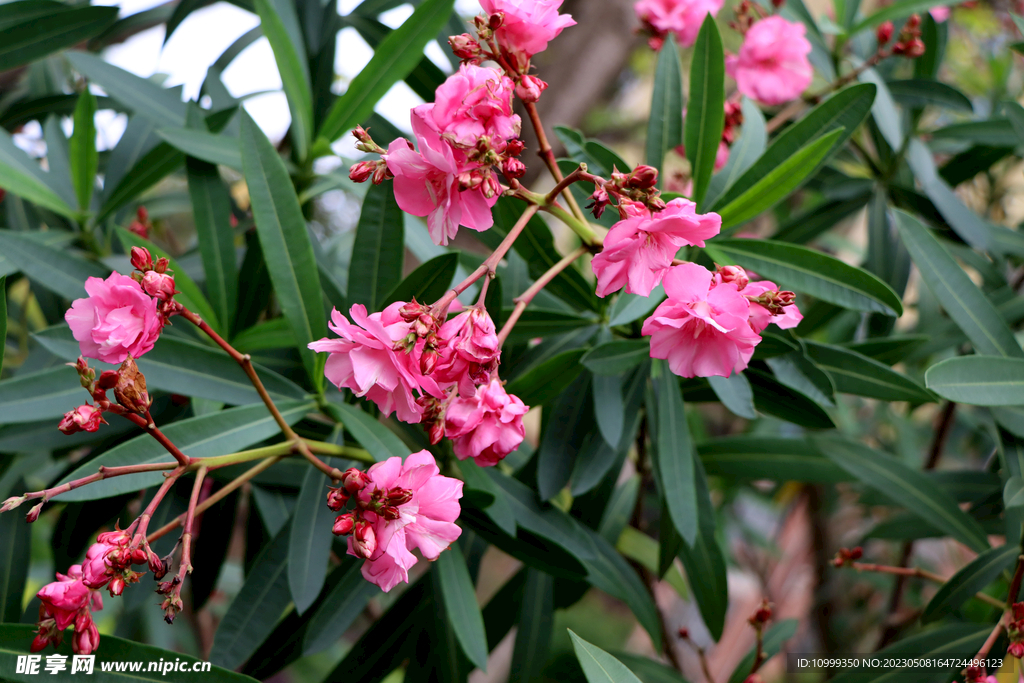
(84, 418)
(940, 13)
(425, 519)
(95, 572)
(682, 17)
(702, 327)
(473, 102)
(761, 317)
(528, 27)
(367, 361)
(640, 248)
(470, 352)
(721, 156)
(772, 65)
(486, 426)
(427, 184)
(65, 596)
(117, 319)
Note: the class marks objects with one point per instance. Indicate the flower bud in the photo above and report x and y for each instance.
(161, 264)
(735, 275)
(914, 48)
(382, 173)
(139, 228)
(40, 642)
(360, 134)
(156, 565)
(398, 497)
(514, 147)
(470, 180)
(513, 168)
(883, 34)
(158, 285)
(1016, 650)
(33, 514)
(336, 499)
(86, 640)
(12, 502)
(491, 186)
(643, 177)
(84, 418)
(763, 614)
(465, 47)
(495, 21)
(389, 512)
(142, 214)
(365, 540)
(529, 88)
(116, 586)
(343, 524)
(913, 21)
(428, 361)
(436, 432)
(354, 480)
(108, 380)
(130, 391)
(361, 172)
(171, 606)
(86, 375)
(599, 201)
(142, 259)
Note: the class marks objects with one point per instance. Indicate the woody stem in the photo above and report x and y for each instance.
(147, 425)
(186, 537)
(548, 155)
(920, 573)
(103, 473)
(524, 299)
(147, 514)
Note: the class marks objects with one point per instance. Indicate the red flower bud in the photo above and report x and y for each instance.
(514, 147)
(343, 524)
(643, 177)
(492, 188)
(389, 512)
(495, 21)
(399, 496)
(361, 172)
(116, 586)
(354, 480)
(108, 380)
(436, 432)
(142, 214)
(883, 34)
(158, 285)
(365, 540)
(513, 168)
(465, 47)
(33, 514)
(1016, 650)
(914, 48)
(141, 259)
(336, 499)
(913, 21)
(12, 502)
(84, 418)
(529, 88)
(735, 275)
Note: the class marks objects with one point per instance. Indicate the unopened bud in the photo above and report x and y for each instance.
(158, 285)
(913, 21)
(84, 418)
(336, 499)
(389, 512)
(656, 204)
(735, 275)
(412, 310)
(361, 172)
(398, 497)
(130, 391)
(381, 173)
(354, 480)
(1016, 650)
(108, 380)
(116, 586)
(514, 147)
(465, 47)
(470, 180)
(343, 524)
(142, 259)
(436, 432)
(786, 298)
(529, 88)
(599, 201)
(428, 361)
(33, 514)
(513, 168)
(491, 186)
(142, 214)
(365, 540)
(86, 375)
(914, 48)
(156, 565)
(495, 21)
(161, 265)
(360, 134)
(883, 34)
(763, 614)
(643, 177)
(12, 503)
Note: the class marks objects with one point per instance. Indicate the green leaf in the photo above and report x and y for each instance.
(665, 125)
(499, 510)
(191, 297)
(16, 638)
(536, 620)
(845, 110)
(82, 148)
(393, 60)
(743, 153)
(735, 394)
(309, 544)
(254, 612)
(648, 670)
(3, 320)
(890, 350)
(884, 111)
(211, 210)
(853, 373)
(898, 10)
(609, 407)
(567, 421)
(21, 175)
(544, 324)
(220, 433)
(161, 106)
(40, 36)
(958, 295)
(803, 227)
(920, 92)
(39, 395)
(811, 272)
(705, 113)
(547, 380)
(962, 586)
(772, 458)
(945, 643)
(371, 434)
(208, 147)
(630, 307)
(598, 665)
(616, 357)
(905, 487)
(281, 27)
(675, 454)
(774, 638)
(15, 558)
(704, 561)
(154, 166)
(379, 249)
(338, 610)
(461, 609)
(797, 371)
(979, 380)
(779, 182)
(775, 398)
(285, 241)
(426, 284)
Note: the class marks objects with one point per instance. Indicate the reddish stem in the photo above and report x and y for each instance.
(139, 538)
(548, 155)
(150, 428)
(524, 299)
(185, 567)
(103, 473)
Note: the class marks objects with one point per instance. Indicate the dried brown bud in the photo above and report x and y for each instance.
(130, 391)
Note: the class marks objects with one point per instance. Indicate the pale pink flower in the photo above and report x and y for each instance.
(486, 426)
(940, 13)
(365, 360)
(470, 350)
(682, 17)
(117, 319)
(702, 327)
(772, 65)
(473, 102)
(761, 317)
(529, 25)
(84, 418)
(640, 248)
(427, 184)
(425, 522)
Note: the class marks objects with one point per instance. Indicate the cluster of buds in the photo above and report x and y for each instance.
(908, 44)
(1015, 630)
(141, 225)
(86, 636)
(109, 561)
(640, 186)
(382, 504)
(846, 557)
(172, 603)
(774, 301)
(152, 275)
(422, 335)
(367, 170)
(128, 384)
(483, 48)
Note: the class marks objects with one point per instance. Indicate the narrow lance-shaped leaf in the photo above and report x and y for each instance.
(675, 454)
(22, 176)
(35, 38)
(58, 270)
(598, 665)
(536, 619)
(15, 546)
(979, 380)
(211, 208)
(962, 586)
(285, 241)
(460, 605)
(705, 114)
(280, 26)
(309, 545)
(338, 610)
(665, 126)
(82, 148)
(378, 250)
(161, 106)
(704, 561)
(3, 320)
(853, 373)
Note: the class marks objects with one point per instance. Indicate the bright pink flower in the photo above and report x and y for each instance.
(426, 520)
(639, 249)
(474, 102)
(64, 597)
(470, 350)
(95, 572)
(529, 25)
(772, 65)
(366, 361)
(84, 418)
(702, 327)
(486, 426)
(940, 13)
(761, 317)
(427, 184)
(682, 17)
(117, 319)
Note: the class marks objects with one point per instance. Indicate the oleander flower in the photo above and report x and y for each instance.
(772, 65)
(117, 319)
(469, 351)
(528, 27)
(473, 102)
(681, 17)
(487, 425)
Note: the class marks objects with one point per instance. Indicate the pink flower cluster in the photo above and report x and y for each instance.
(441, 375)
(398, 507)
(681, 17)
(526, 28)
(772, 65)
(711, 322)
